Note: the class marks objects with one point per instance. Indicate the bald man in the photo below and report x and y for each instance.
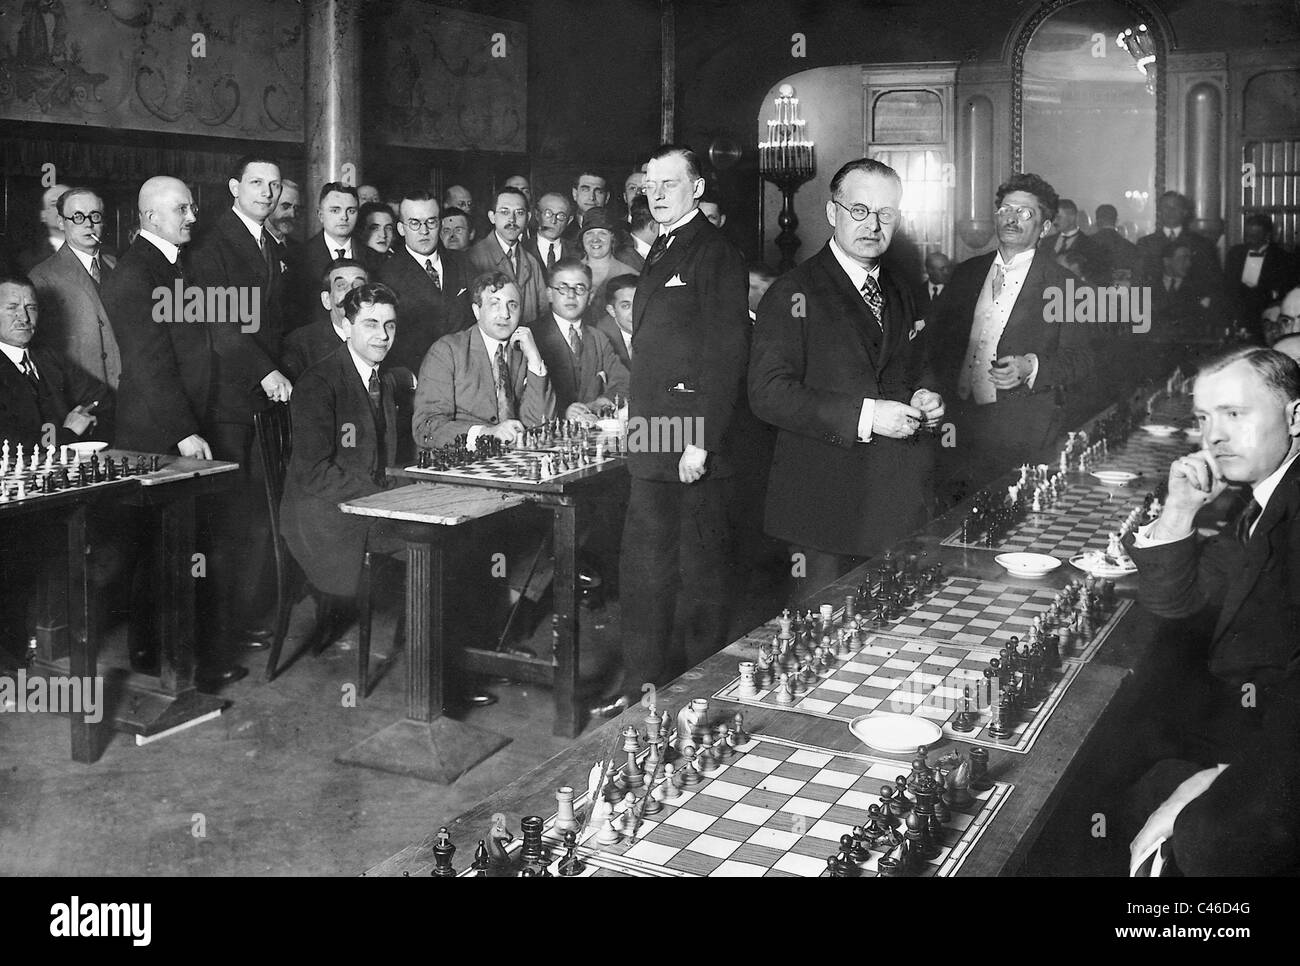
(1289, 345)
(29, 258)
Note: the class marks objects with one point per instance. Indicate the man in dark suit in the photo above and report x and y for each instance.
(641, 232)
(938, 273)
(1003, 365)
(501, 251)
(237, 255)
(51, 234)
(1069, 240)
(843, 380)
(616, 320)
(553, 213)
(584, 367)
(281, 225)
(43, 399)
(308, 345)
(1173, 213)
(486, 380)
(1236, 743)
(344, 436)
(691, 341)
(337, 210)
(73, 321)
(589, 190)
(432, 284)
(1121, 255)
(1257, 272)
(1183, 303)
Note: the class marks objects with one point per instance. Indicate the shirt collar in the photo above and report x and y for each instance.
(489, 342)
(642, 248)
(253, 227)
(332, 246)
(1174, 231)
(14, 353)
(857, 273)
(505, 245)
(679, 222)
(82, 256)
(1017, 263)
(364, 369)
(1069, 234)
(170, 252)
(566, 326)
(421, 259)
(1263, 490)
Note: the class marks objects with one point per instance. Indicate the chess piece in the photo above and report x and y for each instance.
(738, 736)
(690, 775)
(964, 721)
(630, 773)
(498, 838)
(668, 790)
(957, 792)
(443, 851)
(571, 865)
(785, 690)
(564, 817)
(979, 767)
(532, 847)
(747, 688)
(603, 816)
(479, 867)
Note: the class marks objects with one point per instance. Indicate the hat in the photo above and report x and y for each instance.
(596, 218)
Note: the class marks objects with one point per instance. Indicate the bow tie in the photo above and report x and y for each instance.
(1258, 254)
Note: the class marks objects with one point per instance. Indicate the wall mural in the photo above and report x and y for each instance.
(136, 64)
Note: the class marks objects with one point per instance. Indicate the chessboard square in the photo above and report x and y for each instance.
(902, 662)
(839, 683)
(985, 624)
(708, 804)
(665, 835)
(712, 845)
(783, 786)
(927, 615)
(746, 746)
(943, 660)
(740, 870)
(751, 854)
(816, 759)
(863, 701)
(685, 818)
(843, 814)
(652, 852)
(965, 611)
(796, 772)
(885, 771)
(946, 626)
(814, 848)
(696, 863)
(839, 779)
(830, 831)
(903, 701)
(807, 807)
(749, 813)
(731, 791)
(817, 706)
(858, 798)
(765, 799)
(960, 820)
(963, 638)
(731, 830)
(926, 679)
(752, 762)
(775, 838)
(821, 793)
(800, 865)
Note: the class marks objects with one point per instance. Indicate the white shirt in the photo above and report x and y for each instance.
(642, 248)
(85, 259)
(1262, 492)
(1172, 233)
(170, 252)
(505, 245)
(673, 227)
(858, 274)
(544, 245)
(15, 356)
(567, 327)
(431, 257)
(333, 246)
(627, 341)
(364, 369)
(1251, 267)
(935, 290)
(253, 227)
(991, 317)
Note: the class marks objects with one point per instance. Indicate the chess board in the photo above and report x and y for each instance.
(970, 610)
(908, 676)
(35, 481)
(775, 808)
(1147, 455)
(514, 467)
(1083, 518)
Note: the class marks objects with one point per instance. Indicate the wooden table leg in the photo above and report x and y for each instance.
(425, 631)
(51, 593)
(175, 581)
(82, 656)
(568, 721)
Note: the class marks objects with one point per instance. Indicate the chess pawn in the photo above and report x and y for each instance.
(784, 690)
(706, 761)
(564, 817)
(668, 789)
(836, 868)
(722, 749)
(606, 833)
(654, 800)
(918, 834)
(738, 736)
(571, 865)
(857, 850)
(690, 774)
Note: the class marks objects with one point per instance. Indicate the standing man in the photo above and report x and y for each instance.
(32, 256)
(1007, 364)
(281, 225)
(73, 320)
(938, 273)
(1258, 272)
(838, 366)
(1068, 239)
(641, 233)
(1173, 212)
(691, 340)
(337, 211)
(1121, 254)
(457, 233)
(552, 215)
(588, 191)
(501, 251)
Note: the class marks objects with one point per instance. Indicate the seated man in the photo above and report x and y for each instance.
(342, 442)
(308, 344)
(42, 399)
(616, 322)
(1182, 301)
(487, 379)
(584, 367)
(1226, 799)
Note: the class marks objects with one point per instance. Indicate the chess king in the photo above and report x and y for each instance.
(1225, 798)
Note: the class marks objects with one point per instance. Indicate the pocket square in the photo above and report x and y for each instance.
(674, 282)
(461, 292)
(916, 329)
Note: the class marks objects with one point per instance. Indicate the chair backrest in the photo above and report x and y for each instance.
(274, 432)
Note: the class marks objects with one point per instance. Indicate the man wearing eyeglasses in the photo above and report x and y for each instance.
(502, 251)
(1003, 363)
(74, 323)
(552, 214)
(838, 367)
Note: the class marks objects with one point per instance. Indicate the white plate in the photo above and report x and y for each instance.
(895, 734)
(1115, 477)
(1027, 564)
(1160, 429)
(610, 425)
(88, 447)
(1094, 562)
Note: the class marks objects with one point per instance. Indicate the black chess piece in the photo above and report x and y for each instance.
(443, 851)
(979, 770)
(964, 721)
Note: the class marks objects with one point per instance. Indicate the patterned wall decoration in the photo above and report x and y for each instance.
(132, 64)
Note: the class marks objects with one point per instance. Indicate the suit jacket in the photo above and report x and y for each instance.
(166, 367)
(487, 255)
(1119, 252)
(1095, 262)
(808, 376)
(73, 321)
(457, 390)
(338, 455)
(293, 256)
(34, 254)
(1252, 596)
(425, 313)
(923, 300)
(308, 345)
(1205, 257)
(568, 249)
(228, 255)
(1064, 352)
(1277, 276)
(1186, 309)
(630, 257)
(314, 258)
(25, 410)
(598, 371)
(690, 333)
(607, 325)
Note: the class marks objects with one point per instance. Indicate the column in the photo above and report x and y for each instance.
(332, 98)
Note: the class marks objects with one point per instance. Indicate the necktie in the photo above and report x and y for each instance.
(1061, 244)
(372, 387)
(657, 250)
(575, 341)
(339, 253)
(514, 266)
(1247, 520)
(550, 257)
(95, 273)
(999, 280)
(934, 292)
(264, 243)
(505, 400)
(29, 371)
(432, 272)
(1258, 254)
(875, 300)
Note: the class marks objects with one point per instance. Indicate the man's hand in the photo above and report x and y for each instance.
(1194, 481)
(276, 387)
(1011, 371)
(195, 446)
(895, 420)
(523, 337)
(508, 430)
(601, 404)
(79, 420)
(930, 404)
(1161, 823)
(578, 411)
(691, 466)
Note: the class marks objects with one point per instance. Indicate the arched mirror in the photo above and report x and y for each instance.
(1088, 107)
